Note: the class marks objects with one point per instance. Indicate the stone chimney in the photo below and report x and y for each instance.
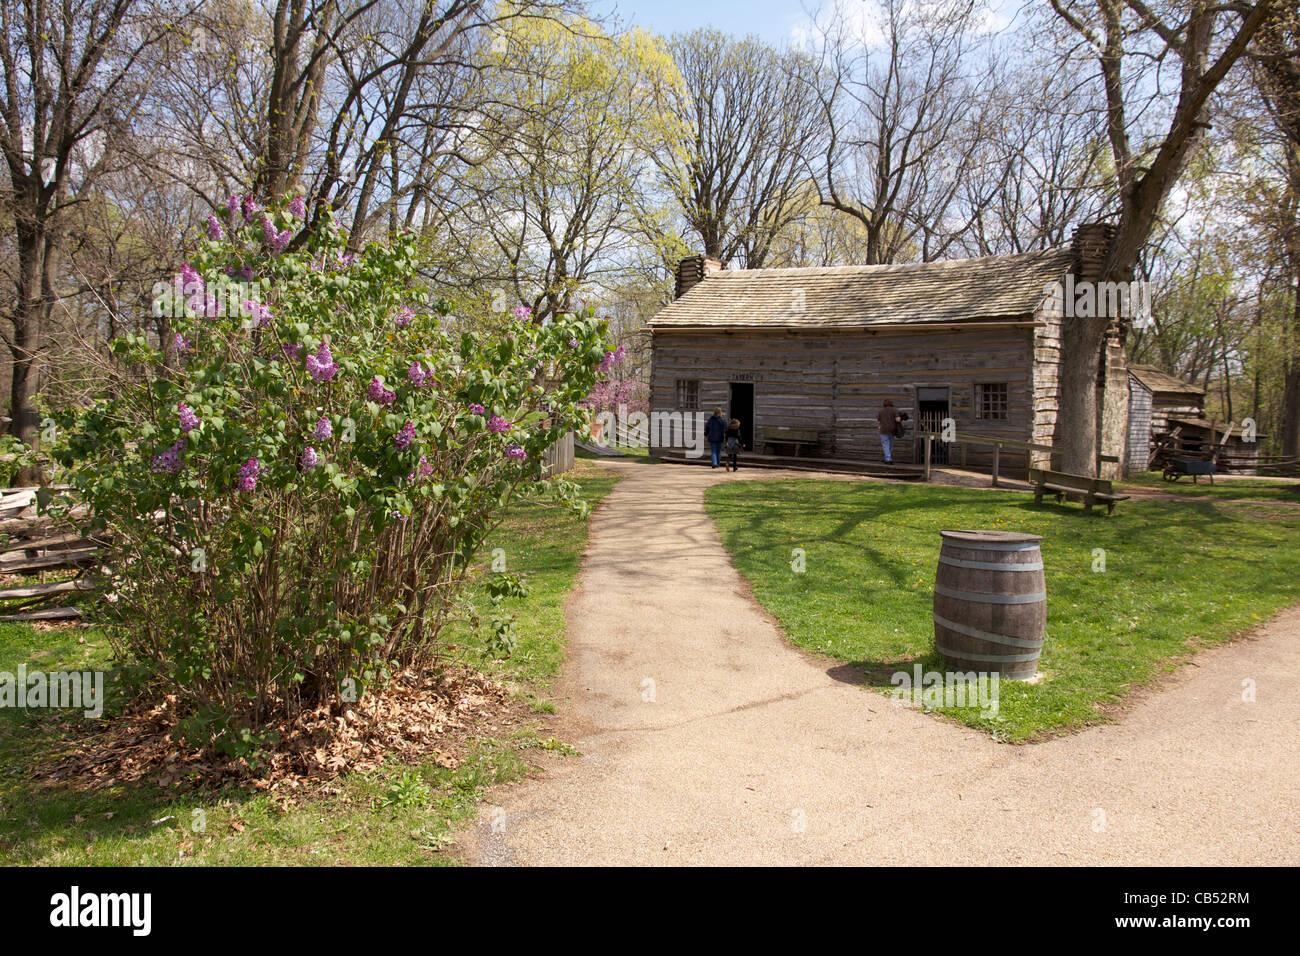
(1090, 244)
(692, 270)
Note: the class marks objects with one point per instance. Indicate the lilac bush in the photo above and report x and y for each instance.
(294, 490)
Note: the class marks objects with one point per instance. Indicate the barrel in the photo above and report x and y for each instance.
(990, 602)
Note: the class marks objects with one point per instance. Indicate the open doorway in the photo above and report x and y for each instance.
(931, 410)
(742, 407)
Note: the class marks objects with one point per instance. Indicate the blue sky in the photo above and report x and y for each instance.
(770, 19)
(775, 21)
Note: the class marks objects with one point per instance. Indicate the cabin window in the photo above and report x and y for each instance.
(688, 394)
(991, 401)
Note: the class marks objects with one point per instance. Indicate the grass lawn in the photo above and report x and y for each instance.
(1178, 576)
(1257, 489)
(401, 815)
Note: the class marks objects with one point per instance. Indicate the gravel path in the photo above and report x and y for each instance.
(706, 739)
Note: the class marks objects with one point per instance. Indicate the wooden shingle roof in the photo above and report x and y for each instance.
(993, 288)
(1157, 381)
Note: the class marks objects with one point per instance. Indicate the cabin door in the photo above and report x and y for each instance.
(931, 410)
(742, 407)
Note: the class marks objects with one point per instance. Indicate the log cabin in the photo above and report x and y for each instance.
(816, 351)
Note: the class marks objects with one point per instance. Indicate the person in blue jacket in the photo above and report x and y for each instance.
(715, 430)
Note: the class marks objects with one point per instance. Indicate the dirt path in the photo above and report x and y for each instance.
(749, 752)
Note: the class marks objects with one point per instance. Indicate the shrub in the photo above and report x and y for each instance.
(293, 486)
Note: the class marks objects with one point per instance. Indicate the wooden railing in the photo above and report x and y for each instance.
(965, 439)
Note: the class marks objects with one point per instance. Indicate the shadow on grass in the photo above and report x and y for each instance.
(878, 673)
(39, 813)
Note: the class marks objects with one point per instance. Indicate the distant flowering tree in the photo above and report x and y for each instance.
(613, 394)
(293, 491)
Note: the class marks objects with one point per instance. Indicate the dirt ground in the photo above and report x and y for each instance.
(706, 739)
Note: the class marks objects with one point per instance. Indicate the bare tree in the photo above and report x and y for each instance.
(907, 114)
(749, 122)
(1043, 164)
(70, 91)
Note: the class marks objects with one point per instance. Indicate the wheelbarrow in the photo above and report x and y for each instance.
(1195, 467)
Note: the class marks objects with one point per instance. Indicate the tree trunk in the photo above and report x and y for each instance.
(1078, 403)
(27, 317)
(1291, 392)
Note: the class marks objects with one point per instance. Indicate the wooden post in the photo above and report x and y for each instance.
(928, 439)
(997, 450)
(963, 454)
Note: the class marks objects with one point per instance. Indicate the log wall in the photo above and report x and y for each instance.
(834, 381)
(1047, 382)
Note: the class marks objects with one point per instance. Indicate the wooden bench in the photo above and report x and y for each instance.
(1062, 483)
(797, 438)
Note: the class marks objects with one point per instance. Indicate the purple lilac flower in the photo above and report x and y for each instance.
(404, 317)
(309, 458)
(298, 208)
(259, 309)
(276, 240)
(232, 205)
(477, 410)
(214, 229)
(189, 421)
(170, 460)
(323, 430)
(399, 516)
(377, 393)
(250, 207)
(426, 469)
(404, 438)
(498, 425)
(179, 344)
(418, 376)
(191, 281)
(248, 473)
(573, 343)
(206, 305)
(521, 312)
(290, 350)
(246, 273)
(321, 366)
(514, 451)
(612, 358)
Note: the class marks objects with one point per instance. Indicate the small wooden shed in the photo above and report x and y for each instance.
(1154, 397)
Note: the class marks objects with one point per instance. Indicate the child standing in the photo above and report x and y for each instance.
(732, 443)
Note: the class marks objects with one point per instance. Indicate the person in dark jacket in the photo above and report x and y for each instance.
(732, 444)
(889, 420)
(715, 429)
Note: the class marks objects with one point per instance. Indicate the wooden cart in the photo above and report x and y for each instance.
(1175, 468)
